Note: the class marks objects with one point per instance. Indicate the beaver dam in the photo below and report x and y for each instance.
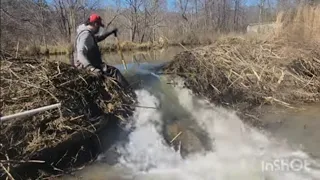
(245, 74)
(63, 138)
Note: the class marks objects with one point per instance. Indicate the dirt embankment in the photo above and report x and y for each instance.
(60, 139)
(244, 74)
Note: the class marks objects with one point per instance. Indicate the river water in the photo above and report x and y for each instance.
(286, 150)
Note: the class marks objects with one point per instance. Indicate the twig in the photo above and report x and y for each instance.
(14, 74)
(112, 19)
(83, 79)
(67, 82)
(74, 118)
(17, 50)
(307, 84)
(316, 59)
(58, 69)
(64, 155)
(277, 100)
(293, 75)
(20, 162)
(147, 107)
(56, 169)
(8, 165)
(168, 73)
(232, 82)
(281, 77)
(76, 157)
(8, 173)
(255, 73)
(216, 89)
(252, 116)
(176, 137)
(32, 85)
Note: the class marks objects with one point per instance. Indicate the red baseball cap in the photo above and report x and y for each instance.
(96, 18)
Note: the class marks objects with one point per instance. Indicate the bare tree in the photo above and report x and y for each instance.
(261, 10)
(71, 12)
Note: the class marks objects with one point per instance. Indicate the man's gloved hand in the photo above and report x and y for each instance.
(115, 32)
(95, 71)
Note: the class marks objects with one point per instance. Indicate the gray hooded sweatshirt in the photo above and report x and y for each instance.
(87, 51)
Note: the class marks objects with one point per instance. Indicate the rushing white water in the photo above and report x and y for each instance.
(240, 152)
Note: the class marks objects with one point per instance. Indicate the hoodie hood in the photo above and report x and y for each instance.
(81, 28)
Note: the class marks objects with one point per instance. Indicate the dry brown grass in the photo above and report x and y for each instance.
(301, 24)
(28, 84)
(32, 50)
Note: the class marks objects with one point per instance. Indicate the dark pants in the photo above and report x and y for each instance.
(109, 71)
(113, 72)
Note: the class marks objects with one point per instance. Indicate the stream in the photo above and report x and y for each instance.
(288, 149)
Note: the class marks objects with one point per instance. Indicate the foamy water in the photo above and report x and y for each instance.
(240, 152)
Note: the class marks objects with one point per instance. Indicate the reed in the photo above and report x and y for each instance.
(301, 24)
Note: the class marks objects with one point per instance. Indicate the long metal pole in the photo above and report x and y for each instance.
(29, 112)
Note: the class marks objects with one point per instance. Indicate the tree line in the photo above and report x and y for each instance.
(54, 22)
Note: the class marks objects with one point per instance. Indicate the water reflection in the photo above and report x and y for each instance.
(160, 55)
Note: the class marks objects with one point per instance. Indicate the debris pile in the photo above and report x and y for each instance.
(59, 138)
(246, 73)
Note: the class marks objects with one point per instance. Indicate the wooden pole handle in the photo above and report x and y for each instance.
(120, 52)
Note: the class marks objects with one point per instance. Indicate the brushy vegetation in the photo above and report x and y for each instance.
(245, 73)
(33, 50)
(88, 104)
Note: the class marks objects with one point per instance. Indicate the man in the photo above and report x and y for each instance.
(87, 53)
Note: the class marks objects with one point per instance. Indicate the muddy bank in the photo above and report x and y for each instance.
(58, 140)
(246, 74)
